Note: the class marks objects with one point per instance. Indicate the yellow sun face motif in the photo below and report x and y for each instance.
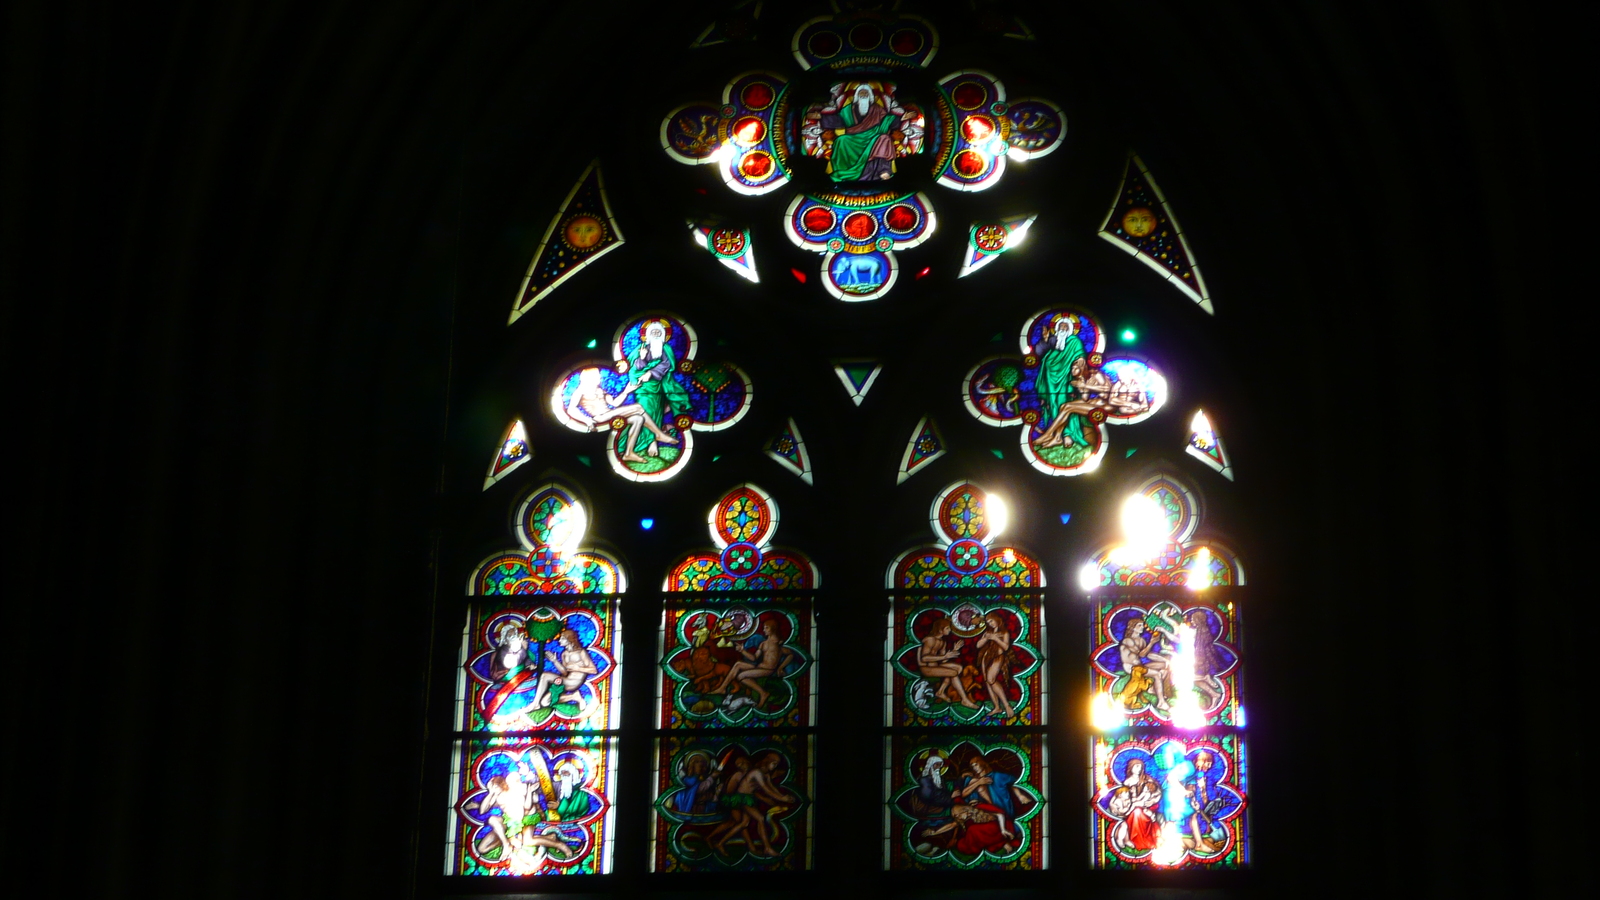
(583, 232)
(1138, 222)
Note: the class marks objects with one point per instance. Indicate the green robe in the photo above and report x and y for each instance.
(852, 152)
(1055, 385)
(655, 395)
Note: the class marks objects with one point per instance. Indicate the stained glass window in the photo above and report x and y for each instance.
(582, 231)
(859, 145)
(858, 376)
(873, 125)
(736, 699)
(1141, 222)
(534, 759)
(965, 649)
(925, 446)
(1169, 767)
(1206, 446)
(788, 449)
(988, 239)
(513, 452)
(651, 396)
(1063, 391)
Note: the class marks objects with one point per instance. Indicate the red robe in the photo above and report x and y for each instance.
(980, 836)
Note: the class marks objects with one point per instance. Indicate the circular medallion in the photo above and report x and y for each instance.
(817, 220)
(970, 163)
(969, 95)
(990, 238)
(905, 42)
(682, 422)
(835, 245)
(583, 232)
(741, 559)
(999, 108)
(963, 513)
(866, 37)
(858, 276)
(823, 44)
(1139, 221)
(619, 423)
(756, 165)
(967, 556)
(749, 131)
(728, 110)
(728, 241)
(1096, 359)
(977, 129)
(1030, 360)
(884, 244)
(756, 95)
(860, 226)
(901, 218)
(1031, 417)
(1097, 416)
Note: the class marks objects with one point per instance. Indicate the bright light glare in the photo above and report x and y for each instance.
(567, 528)
(1186, 712)
(1169, 851)
(725, 152)
(1015, 238)
(1200, 570)
(1204, 437)
(1089, 576)
(999, 516)
(1144, 524)
(1105, 712)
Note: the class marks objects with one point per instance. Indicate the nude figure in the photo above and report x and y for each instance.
(508, 801)
(1136, 642)
(593, 406)
(748, 784)
(573, 667)
(934, 661)
(768, 658)
(994, 662)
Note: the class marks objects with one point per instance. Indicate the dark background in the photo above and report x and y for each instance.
(244, 258)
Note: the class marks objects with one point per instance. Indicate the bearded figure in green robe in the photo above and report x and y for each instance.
(1061, 362)
(862, 124)
(650, 380)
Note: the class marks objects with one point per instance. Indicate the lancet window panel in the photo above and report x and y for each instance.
(540, 663)
(737, 663)
(538, 681)
(965, 801)
(539, 805)
(1167, 656)
(1169, 801)
(966, 660)
(703, 822)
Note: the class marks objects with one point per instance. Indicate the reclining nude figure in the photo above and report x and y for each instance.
(594, 407)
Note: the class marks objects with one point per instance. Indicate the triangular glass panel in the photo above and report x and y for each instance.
(513, 452)
(730, 246)
(737, 24)
(857, 376)
(925, 446)
(1205, 446)
(1141, 222)
(581, 232)
(988, 239)
(789, 449)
